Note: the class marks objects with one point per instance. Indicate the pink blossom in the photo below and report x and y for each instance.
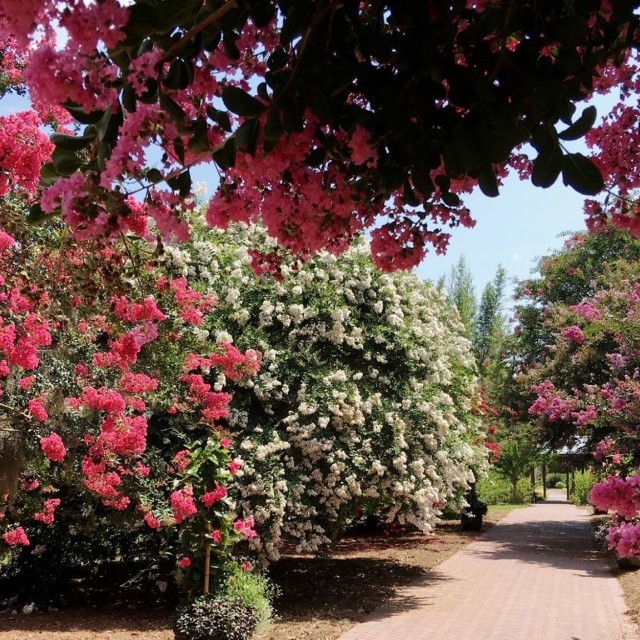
(53, 447)
(152, 521)
(183, 504)
(182, 459)
(37, 410)
(245, 528)
(47, 516)
(16, 536)
(25, 383)
(213, 496)
(574, 333)
(184, 563)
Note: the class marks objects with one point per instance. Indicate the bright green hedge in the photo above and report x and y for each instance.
(494, 489)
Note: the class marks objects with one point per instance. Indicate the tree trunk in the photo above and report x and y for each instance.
(10, 461)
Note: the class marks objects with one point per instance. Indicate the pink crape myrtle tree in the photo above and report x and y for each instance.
(579, 328)
(104, 397)
(323, 119)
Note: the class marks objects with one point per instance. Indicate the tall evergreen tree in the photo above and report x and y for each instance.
(461, 292)
(488, 327)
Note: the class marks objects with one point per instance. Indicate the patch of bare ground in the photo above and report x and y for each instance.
(320, 597)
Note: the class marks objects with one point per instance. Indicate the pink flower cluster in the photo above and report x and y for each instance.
(554, 404)
(573, 333)
(191, 304)
(183, 504)
(16, 536)
(245, 528)
(50, 506)
(621, 495)
(53, 447)
(624, 538)
(234, 364)
(216, 495)
(24, 148)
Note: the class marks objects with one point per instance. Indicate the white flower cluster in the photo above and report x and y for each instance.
(363, 402)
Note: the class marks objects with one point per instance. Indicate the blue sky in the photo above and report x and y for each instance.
(522, 224)
(514, 229)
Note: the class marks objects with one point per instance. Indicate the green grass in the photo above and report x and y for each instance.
(506, 507)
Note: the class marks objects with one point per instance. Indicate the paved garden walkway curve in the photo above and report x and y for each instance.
(534, 576)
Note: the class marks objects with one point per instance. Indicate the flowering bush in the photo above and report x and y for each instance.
(363, 403)
(118, 406)
(586, 375)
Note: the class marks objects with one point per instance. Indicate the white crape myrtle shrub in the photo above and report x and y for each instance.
(363, 404)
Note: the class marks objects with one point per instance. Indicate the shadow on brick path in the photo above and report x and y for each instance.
(534, 576)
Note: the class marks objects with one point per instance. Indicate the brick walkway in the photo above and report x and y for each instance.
(534, 576)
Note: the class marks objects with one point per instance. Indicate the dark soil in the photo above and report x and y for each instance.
(320, 597)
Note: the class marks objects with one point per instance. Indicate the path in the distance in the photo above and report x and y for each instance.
(534, 576)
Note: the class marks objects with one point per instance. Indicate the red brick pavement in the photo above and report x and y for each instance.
(534, 576)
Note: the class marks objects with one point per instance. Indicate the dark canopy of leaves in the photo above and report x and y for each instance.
(430, 80)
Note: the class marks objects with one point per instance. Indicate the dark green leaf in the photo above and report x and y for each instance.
(178, 145)
(199, 141)
(109, 126)
(184, 182)
(444, 182)
(246, 137)
(296, 22)
(544, 138)
(36, 215)
(581, 125)
(450, 199)
(273, 128)
(154, 175)
(391, 175)
(579, 172)
(174, 110)
(241, 103)
(547, 167)
(263, 93)
(179, 76)
(104, 153)
(48, 175)
(292, 117)
(421, 181)
(79, 114)
(73, 143)
(225, 157)
(230, 47)
(278, 59)
(129, 98)
(409, 196)
(66, 162)
(488, 182)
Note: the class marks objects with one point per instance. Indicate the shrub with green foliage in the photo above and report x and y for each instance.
(495, 489)
(255, 590)
(217, 618)
(553, 479)
(582, 483)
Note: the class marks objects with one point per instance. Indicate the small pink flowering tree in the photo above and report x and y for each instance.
(587, 376)
(104, 395)
(323, 119)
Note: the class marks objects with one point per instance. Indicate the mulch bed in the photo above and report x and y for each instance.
(320, 597)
